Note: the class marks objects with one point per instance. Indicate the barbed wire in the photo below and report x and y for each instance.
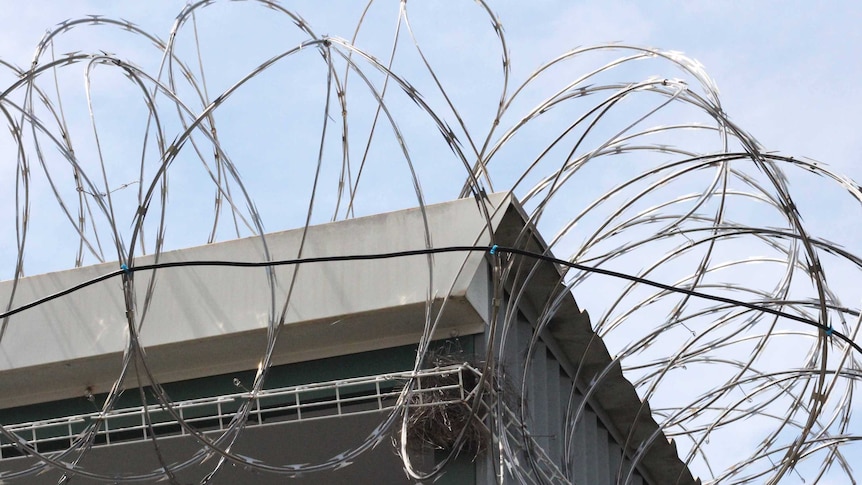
(645, 176)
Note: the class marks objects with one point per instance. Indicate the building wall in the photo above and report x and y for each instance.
(555, 408)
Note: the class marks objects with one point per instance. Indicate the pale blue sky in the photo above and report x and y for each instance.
(788, 71)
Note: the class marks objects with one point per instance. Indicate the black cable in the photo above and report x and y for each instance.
(826, 328)
(428, 251)
(59, 294)
(238, 264)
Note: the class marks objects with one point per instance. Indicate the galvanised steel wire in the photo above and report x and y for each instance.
(624, 172)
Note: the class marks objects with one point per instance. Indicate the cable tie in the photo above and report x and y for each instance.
(493, 249)
(829, 331)
(125, 268)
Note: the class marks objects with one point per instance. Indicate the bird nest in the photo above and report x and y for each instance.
(440, 409)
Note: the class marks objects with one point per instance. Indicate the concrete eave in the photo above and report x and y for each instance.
(206, 320)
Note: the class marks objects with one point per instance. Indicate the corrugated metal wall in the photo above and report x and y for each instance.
(546, 450)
